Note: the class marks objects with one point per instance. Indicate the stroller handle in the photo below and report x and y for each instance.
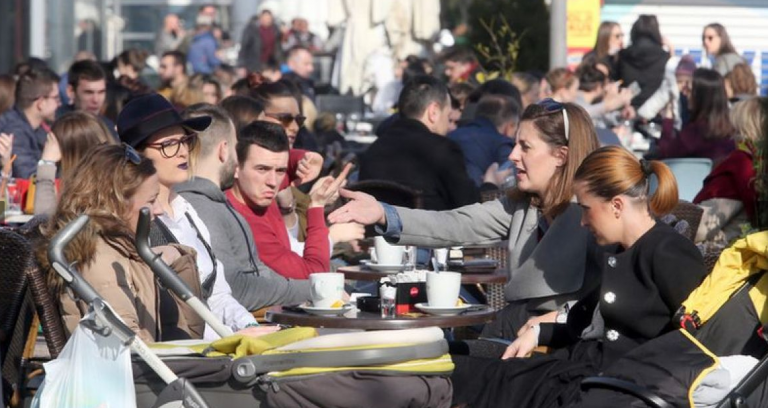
(107, 322)
(59, 263)
(169, 278)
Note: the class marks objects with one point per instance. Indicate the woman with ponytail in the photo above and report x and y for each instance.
(643, 286)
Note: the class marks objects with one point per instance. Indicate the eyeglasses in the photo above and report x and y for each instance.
(285, 119)
(170, 148)
(551, 105)
(131, 155)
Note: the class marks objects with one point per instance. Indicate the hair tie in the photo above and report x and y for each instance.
(646, 167)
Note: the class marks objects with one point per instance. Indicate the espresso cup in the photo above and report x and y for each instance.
(388, 254)
(443, 289)
(326, 288)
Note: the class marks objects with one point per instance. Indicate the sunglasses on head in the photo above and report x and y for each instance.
(551, 105)
(131, 155)
(285, 119)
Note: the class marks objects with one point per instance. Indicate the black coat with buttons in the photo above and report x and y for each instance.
(642, 289)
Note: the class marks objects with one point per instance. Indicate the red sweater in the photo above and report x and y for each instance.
(271, 235)
(734, 178)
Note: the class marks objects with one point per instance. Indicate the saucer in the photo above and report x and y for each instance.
(327, 311)
(442, 311)
(386, 268)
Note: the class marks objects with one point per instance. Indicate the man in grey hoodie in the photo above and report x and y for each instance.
(253, 284)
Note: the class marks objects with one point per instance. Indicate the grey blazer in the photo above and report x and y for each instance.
(561, 267)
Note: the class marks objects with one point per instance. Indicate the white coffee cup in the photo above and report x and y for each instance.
(387, 254)
(326, 288)
(443, 288)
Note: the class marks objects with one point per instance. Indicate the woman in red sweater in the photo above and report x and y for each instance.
(728, 196)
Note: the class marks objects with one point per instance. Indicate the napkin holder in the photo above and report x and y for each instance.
(408, 295)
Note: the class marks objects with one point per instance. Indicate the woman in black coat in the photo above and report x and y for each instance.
(645, 60)
(642, 288)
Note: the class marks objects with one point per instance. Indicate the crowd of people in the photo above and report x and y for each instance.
(243, 178)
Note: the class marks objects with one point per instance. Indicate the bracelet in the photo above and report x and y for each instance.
(43, 162)
(252, 324)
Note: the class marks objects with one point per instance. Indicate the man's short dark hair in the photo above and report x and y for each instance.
(496, 87)
(266, 135)
(32, 63)
(459, 54)
(418, 93)
(178, 58)
(86, 70)
(218, 131)
(242, 110)
(590, 78)
(34, 84)
(499, 109)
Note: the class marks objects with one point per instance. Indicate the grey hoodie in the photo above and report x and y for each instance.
(253, 284)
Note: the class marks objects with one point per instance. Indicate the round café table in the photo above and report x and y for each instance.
(357, 273)
(374, 321)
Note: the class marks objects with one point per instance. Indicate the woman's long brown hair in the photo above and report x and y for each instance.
(102, 185)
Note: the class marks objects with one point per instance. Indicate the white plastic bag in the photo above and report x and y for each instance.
(91, 371)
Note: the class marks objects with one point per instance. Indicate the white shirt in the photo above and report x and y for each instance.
(221, 302)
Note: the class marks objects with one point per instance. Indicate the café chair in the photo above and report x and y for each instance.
(16, 312)
(690, 173)
(691, 213)
(343, 104)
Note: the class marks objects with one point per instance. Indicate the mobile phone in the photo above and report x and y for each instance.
(634, 87)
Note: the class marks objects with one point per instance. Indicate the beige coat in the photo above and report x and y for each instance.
(129, 286)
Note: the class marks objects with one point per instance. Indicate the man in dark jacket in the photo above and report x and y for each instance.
(37, 99)
(299, 61)
(488, 138)
(253, 284)
(260, 43)
(414, 151)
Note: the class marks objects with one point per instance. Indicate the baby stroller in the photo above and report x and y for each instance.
(726, 315)
(385, 372)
